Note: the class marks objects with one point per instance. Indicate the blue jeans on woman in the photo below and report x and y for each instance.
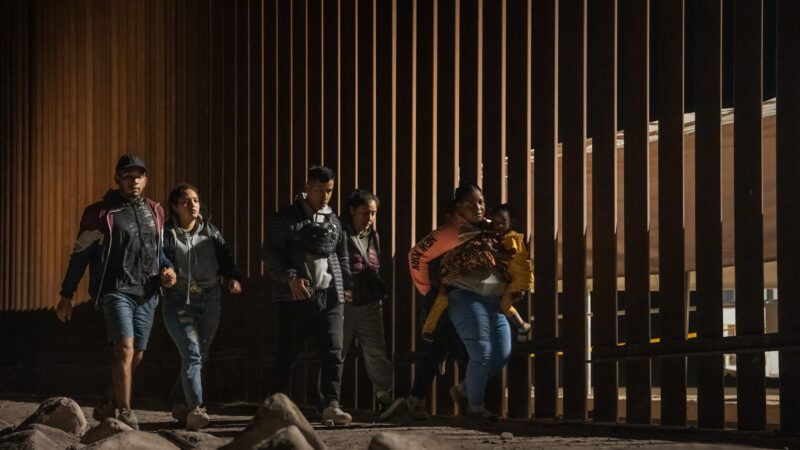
(486, 335)
(192, 327)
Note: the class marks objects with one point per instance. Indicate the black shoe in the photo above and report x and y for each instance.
(104, 411)
(483, 416)
(388, 408)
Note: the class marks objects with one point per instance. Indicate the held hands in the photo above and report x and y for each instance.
(299, 287)
(168, 277)
(348, 296)
(64, 309)
(234, 287)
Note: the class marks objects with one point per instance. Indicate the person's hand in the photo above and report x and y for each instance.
(64, 309)
(299, 287)
(234, 287)
(168, 277)
(348, 296)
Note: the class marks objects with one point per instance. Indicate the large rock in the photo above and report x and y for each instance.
(274, 413)
(134, 440)
(289, 438)
(394, 441)
(194, 440)
(58, 412)
(39, 437)
(108, 427)
(6, 428)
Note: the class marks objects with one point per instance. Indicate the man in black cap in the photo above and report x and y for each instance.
(120, 239)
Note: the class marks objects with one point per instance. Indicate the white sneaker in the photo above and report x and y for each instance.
(197, 419)
(333, 415)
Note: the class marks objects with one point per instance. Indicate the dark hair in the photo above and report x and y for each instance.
(358, 197)
(320, 173)
(462, 191)
(361, 197)
(503, 207)
(176, 192)
(465, 189)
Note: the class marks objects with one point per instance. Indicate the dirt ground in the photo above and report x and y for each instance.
(229, 420)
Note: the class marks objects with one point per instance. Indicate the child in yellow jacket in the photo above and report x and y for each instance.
(518, 269)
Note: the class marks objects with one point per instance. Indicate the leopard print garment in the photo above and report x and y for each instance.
(484, 251)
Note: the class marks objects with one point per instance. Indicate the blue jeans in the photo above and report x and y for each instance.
(192, 327)
(486, 335)
(128, 318)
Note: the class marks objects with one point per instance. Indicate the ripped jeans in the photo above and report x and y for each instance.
(192, 327)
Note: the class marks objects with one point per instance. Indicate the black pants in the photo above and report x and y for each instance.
(445, 343)
(321, 318)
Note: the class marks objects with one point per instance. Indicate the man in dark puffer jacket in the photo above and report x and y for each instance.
(305, 252)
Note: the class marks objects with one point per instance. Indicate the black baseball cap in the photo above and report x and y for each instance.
(130, 160)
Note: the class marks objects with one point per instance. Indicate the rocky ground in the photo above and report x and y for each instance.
(229, 421)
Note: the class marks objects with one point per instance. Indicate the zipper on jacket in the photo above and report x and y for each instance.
(108, 254)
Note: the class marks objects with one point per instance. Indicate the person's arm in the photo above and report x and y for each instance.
(167, 275)
(433, 245)
(274, 251)
(87, 243)
(344, 261)
(227, 265)
(89, 238)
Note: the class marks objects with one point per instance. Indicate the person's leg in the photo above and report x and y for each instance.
(143, 318)
(471, 319)
(370, 335)
(181, 322)
(434, 315)
(501, 343)
(288, 322)
(328, 338)
(352, 316)
(118, 310)
(208, 314)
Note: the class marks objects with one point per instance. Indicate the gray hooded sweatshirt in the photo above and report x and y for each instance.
(195, 259)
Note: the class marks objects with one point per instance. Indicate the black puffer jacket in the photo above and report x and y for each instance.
(284, 252)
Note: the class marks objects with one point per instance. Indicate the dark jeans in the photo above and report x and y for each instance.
(445, 343)
(322, 319)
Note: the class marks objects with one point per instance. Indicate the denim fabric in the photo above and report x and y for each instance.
(324, 323)
(365, 323)
(192, 327)
(128, 318)
(486, 335)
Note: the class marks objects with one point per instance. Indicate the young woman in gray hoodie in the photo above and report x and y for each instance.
(192, 307)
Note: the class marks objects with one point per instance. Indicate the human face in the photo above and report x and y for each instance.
(131, 182)
(318, 194)
(502, 221)
(187, 207)
(364, 215)
(472, 208)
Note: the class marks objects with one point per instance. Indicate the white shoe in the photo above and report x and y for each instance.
(333, 415)
(197, 419)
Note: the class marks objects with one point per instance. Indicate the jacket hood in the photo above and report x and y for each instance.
(174, 224)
